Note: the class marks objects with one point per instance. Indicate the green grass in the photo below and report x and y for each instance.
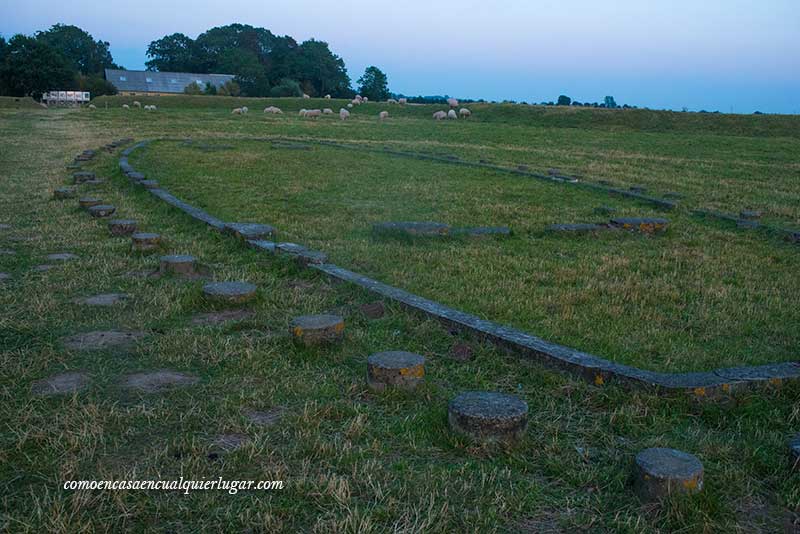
(13, 102)
(351, 460)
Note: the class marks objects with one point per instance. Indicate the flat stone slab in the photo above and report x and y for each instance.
(262, 244)
(794, 452)
(229, 292)
(83, 176)
(577, 228)
(220, 317)
(750, 214)
(149, 184)
(62, 256)
(264, 418)
(642, 224)
(60, 384)
(661, 472)
(88, 202)
(303, 255)
(122, 227)
(135, 176)
(412, 228)
(102, 211)
(102, 339)
(42, 268)
(488, 417)
(64, 192)
(145, 241)
(104, 299)
(156, 381)
(317, 329)
(399, 369)
(177, 264)
(254, 231)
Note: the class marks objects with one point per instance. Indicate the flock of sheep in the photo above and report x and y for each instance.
(136, 104)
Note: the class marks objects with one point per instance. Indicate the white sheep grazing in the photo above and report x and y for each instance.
(92, 106)
(146, 107)
(137, 104)
(464, 112)
(236, 111)
(452, 102)
(245, 109)
(153, 107)
(350, 105)
(343, 114)
(364, 99)
(273, 110)
(313, 113)
(327, 97)
(452, 114)
(302, 112)
(402, 101)
(306, 96)
(383, 115)
(125, 106)
(327, 111)
(391, 101)
(439, 115)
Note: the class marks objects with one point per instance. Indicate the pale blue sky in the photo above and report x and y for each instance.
(740, 55)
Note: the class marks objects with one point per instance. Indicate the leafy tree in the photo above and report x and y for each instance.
(563, 100)
(229, 88)
(374, 84)
(173, 53)
(31, 67)
(320, 71)
(210, 89)
(193, 89)
(250, 73)
(84, 54)
(95, 85)
(286, 87)
(610, 102)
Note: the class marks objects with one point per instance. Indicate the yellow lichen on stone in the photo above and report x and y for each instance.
(775, 381)
(599, 380)
(700, 392)
(690, 484)
(298, 331)
(339, 327)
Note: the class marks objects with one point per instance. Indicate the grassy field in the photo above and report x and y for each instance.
(353, 460)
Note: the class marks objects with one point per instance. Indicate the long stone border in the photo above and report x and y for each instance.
(592, 368)
(786, 233)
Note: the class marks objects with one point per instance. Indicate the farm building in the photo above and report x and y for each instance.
(143, 82)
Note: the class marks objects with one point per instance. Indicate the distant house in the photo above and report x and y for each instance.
(144, 82)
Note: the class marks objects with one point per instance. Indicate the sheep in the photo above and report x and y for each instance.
(350, 105)
(464, 112)
(364, 99)
(452, 114)
(439, 115)
(452, 102)
(402, 101)
(245, 109)
(137, 104)
(306, 96)
(312, 113)
(152, 107)
(273, 109)
(236, 111)
(354, 102)
(327, 111)
(302, 112)
(383, 115)
(125, 106)
(391, 101)
(327, 97)
(343, 114)
(92, 106)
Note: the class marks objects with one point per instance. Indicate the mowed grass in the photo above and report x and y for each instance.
(351, 460)
(701, 296)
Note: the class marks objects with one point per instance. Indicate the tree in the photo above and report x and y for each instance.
(193, 89)
(210, 89)
(286, 87)
(610, 102)
(373, 84)
(319, 70)
(30, 67)
(173, 53)
(229, 88)
(563, 100)
(85, 55)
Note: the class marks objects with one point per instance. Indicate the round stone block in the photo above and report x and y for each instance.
(317, 329)
(488, 417)
(121, 227)
(661, 472)
(88, 202)
(142, 241)
(64, 192)
(229, 292)
(149, 184)
(177, 264)
(102, 210)
(404, 370)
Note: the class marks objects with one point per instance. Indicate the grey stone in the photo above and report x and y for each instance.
(4, 276)
(156, 381)
(64, 192)
(750, 214)
(488, 416)
(102, 211)
(400, 369)
(149, 184)
(60, 384)
(96, 181)
(229, 292)
(261, 244)
(62, 256)
(264, 418)
(250, 230)
(775, 373)
(177, 264)
(83, 176)
(42, 268)
(661, 472)
(220, 317)
(576, 227)
(303, 255)
(412, 228)
(554, 172)
(747, 224)
(136, 176)
(190, 210)
(122, 227)
(645, 225)
(317, 329)
(104, 299)
(101, 340)
(88, 202)
(144, 241)
(638, 189)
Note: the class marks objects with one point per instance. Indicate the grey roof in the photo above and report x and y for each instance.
(161, 82)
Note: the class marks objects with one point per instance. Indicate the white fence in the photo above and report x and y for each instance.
(66, 98)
